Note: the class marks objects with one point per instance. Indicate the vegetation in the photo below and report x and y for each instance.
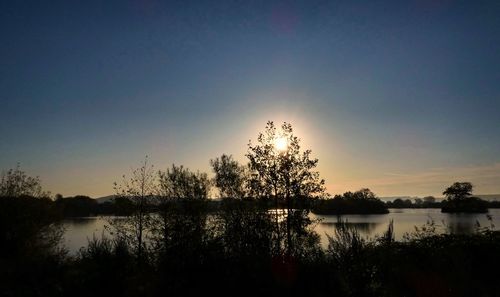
(363, 201)
(139, 189)
(230, 177)
(78, 206)
(30, 254)
(426, 202)
(459, 199)
(282, 172)
(15, 183)
(256, 240)
(235, 255)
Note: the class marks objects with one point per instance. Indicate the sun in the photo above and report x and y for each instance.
(281, 144)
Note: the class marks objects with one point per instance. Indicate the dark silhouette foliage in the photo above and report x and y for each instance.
(282, 172)
(458, 199)
(16, 183)
(458, 191)
(258, 240)
(363, 201)
(138, 190)
(78, 206)
(31, 258)
(230, 177)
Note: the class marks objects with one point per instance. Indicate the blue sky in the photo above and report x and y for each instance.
(398, 96)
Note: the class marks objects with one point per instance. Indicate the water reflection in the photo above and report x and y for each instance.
(362, 227)
(468, 223)
(79, 230)
(406, 221)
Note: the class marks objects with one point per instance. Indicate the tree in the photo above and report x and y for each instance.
(229, 177)
(245, 228)
(458, 199)
(459, 191)
(363, 194)
(180, 197)
(179, 182)
(363, 201)
(283, 172)
(400, 203)
(139, 189)
(29, 226)
(429, 199)
(16, 183)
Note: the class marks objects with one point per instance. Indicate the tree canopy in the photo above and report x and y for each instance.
(280, 168)
(180, 182)
(459, 190)
(15, 183)
(459, 199)
(229, 176)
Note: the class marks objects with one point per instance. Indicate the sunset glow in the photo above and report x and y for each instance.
(281, 144)
(386, 90)
(222, 148)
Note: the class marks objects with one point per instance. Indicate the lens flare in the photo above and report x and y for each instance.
(281, 144)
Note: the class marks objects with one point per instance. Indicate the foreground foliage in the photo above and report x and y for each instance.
(257, 241)
(233, 255)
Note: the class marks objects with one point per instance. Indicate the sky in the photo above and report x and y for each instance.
(402, 97)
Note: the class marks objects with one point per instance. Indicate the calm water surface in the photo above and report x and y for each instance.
(405, 221)
(79, 230)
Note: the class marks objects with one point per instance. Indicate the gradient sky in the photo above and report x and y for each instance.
(402, 97)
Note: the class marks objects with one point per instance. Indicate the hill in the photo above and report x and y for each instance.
(103, 199)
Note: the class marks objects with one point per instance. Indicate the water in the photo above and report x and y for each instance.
(79, 230)
(405, 221)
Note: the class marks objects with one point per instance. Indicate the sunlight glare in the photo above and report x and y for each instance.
(281, 144)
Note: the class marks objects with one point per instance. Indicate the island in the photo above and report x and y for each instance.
(363, 201)
(459, 199)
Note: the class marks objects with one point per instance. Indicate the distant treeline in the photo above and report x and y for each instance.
(83, 206)
(258, 240)
(416, 203)
(233, 255)
(360, 202)
(348, 203)
(363, 201)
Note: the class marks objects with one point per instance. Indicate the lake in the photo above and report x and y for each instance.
(79, 230)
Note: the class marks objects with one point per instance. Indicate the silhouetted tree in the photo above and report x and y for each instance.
(400, 203)
(30, 237)
(363, 201)
(139, 189)
(283, 172)
(15, 183)
(458, 199)
(429, 199)
(363, 194)
(245, 227)
(77, 206)
(28, 218)
(178, 228)
(229, 177)
(180, 182)
(459, 190)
